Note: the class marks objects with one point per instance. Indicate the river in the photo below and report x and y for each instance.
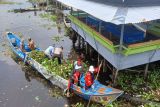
(20, 86)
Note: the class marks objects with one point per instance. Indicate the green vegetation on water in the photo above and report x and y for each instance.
(135, 84)
(36, 1)
(48, 16)
(8, 2)
(52, 65)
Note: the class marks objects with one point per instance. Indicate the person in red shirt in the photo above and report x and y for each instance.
(89, 77)
(76, 73)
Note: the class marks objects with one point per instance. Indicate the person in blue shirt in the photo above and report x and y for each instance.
(50, 51)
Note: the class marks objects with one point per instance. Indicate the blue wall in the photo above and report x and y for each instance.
(131, 33)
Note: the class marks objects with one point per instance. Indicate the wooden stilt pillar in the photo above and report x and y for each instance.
(110, 35)
(86, 48)
(47, 2)
(98, 58)
(83, 43)
(115, 77)
(79, 42)
(61, 6)
(146, 71)
(56, 3)
(73, 37)
(104, 63)
(90, 52)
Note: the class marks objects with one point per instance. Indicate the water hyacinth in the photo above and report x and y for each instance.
(52, 66)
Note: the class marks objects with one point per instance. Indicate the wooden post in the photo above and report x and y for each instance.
(79, 42)
(121, 39)
(47, 2)
(71, 11)
(90, 51)
(115, 77)
(56, 4)
(104, 63)
(83, 43)
(110, 35)
(61, 6)
(86, 48)
(99, 29)
(146, 71)
(98, 58)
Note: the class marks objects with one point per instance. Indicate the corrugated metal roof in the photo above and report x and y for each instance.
(128, 3)
(117, 14)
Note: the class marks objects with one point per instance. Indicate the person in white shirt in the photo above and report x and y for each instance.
(50, 51)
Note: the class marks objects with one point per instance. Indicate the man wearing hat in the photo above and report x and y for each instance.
(89, 77)
(78, 64)
(75, 75)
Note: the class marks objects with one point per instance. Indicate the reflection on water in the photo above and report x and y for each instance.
(20, 85)
(31, 74)
(36, 91)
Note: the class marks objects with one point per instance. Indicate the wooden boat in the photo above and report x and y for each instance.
(26, 10)
(53, 78)
(14, 42)
(67, 22)
(100, 93)
(97, 93)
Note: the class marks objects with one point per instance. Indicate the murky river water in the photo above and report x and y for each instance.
(20, 87)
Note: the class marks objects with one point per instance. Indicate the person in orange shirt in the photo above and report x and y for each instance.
(89, 77)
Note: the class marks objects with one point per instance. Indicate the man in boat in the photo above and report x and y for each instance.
(78, 64)
(89, 77)
(49, 52)
(77, 71)
(75, 74)
(22, 46)
(31, 44)
(58, 53)
(54, 52)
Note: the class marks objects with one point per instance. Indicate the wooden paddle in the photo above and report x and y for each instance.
(94, 80)
(99, 67)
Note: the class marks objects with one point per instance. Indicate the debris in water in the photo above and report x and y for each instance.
(26, 86)
(37, 98)
(66, 105)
